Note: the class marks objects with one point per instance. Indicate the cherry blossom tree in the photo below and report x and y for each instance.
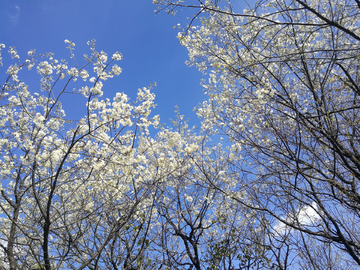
(196, 226)
(70, 188)
(279, 190)
(283, 89)
(99, 192)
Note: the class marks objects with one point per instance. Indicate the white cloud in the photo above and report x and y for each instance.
(306, 216)
(14, 14)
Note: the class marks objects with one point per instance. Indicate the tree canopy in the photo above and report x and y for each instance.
(283, 89)
(115, 190)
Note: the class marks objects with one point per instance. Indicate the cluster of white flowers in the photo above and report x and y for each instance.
(30, 63)
(84, 74)
(13, 71)
(45, 68)
(13, 53)
(31, 52)
(73, 72)
(188, 198)
(117, 56)
(2, 46)
(70, 47)
(61, 67)
(116, 70)
(96, 89)
(103, 57)
(69, 42)
(191, 148)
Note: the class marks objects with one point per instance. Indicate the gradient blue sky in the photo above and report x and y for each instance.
(148, 43)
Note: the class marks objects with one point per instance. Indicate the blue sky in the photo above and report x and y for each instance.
(148, 43)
